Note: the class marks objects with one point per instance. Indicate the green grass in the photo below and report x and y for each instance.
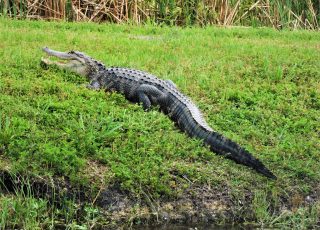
(23, 211)
(258, 87)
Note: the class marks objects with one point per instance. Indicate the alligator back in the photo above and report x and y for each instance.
(181, 110)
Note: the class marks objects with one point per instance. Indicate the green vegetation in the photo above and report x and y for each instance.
(259, 87)
(22, 211)
(275, 13)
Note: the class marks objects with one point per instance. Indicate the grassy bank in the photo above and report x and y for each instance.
(259, 87)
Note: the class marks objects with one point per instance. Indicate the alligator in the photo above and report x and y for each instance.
(144, 88)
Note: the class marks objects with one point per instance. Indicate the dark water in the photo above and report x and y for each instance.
(193, 227)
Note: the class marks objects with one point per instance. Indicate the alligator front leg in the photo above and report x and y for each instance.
(146, 92)
(94, 84)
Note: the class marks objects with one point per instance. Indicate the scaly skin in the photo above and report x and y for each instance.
(141, 87)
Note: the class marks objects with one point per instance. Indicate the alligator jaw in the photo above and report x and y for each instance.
(58, 54)
(70, 61)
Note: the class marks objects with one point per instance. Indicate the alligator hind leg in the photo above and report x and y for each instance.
(145, 92)
(144, 99)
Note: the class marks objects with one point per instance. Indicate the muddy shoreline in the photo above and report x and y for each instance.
(200, 205)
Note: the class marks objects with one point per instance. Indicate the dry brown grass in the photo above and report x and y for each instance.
(276, 13)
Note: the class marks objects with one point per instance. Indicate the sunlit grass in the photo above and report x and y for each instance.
(259, 87)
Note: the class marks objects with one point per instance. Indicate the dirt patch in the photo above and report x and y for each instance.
(198, 204)
(145, 37)
(95, 172)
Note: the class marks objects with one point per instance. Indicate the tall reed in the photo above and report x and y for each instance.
(276, 13)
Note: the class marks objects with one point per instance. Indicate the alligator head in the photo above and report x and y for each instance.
(73, 61)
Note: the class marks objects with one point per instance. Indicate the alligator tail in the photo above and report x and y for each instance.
(218, 143)
(233, 151)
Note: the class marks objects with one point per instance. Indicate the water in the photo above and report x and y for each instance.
(193, 227)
